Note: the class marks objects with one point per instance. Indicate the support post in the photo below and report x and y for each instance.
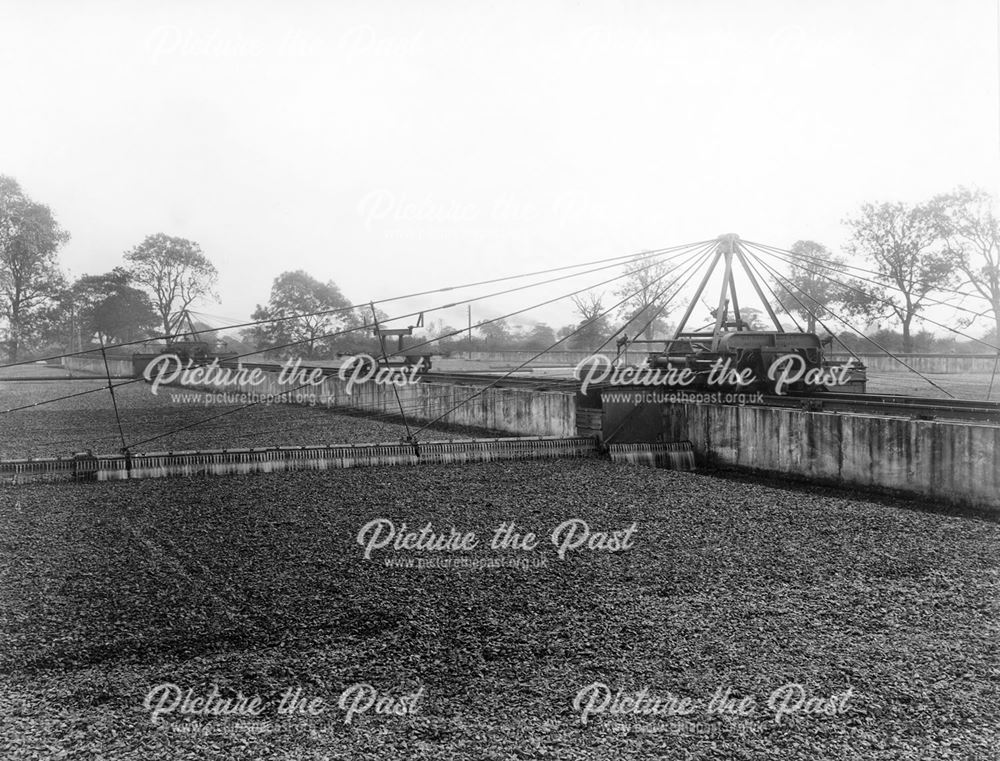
(727, 245)
(697, 294)
(996, 364)
(395, 390)
(114, 403)
(760, 292)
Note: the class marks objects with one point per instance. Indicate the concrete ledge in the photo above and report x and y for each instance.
(523, 412)
(924, 363)
(950, 462)
(96, 365)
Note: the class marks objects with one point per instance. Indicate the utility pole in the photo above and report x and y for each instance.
(470, 331)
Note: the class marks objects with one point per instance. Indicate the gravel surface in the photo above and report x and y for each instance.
(87, 421)
(35, 370)
(257, 584)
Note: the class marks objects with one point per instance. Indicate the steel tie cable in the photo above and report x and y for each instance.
(883, 285)
(840, 319)
(367, 325)
(247, 406)
(655, 252)
(549, 348)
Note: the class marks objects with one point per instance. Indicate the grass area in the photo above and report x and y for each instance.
(257, 584)
(961, 386)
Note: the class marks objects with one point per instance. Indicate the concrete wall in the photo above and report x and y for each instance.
(948, 462)
(522, 412)
(518, 411)
(925, 363)
(117, 366)
(560, 358)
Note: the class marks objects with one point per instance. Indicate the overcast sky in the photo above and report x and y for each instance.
(401, 146)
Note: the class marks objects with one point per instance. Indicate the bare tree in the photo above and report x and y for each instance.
(646, 303)
(593, 326)
(971, 231)
(903, 242)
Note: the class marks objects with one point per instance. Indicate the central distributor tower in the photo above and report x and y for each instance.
(725, 362)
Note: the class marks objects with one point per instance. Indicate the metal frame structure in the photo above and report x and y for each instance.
(727, 250)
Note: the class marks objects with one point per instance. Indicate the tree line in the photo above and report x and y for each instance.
(941, 252)
(915, 256)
